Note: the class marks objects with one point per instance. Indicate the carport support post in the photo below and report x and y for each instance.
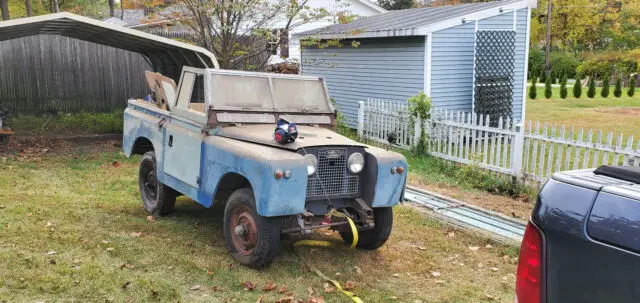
(517, 150)
(361, 119)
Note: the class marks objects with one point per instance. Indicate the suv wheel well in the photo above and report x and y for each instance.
(141, 146)
(228, 184)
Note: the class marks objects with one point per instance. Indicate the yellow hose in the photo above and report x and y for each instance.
(319, 243)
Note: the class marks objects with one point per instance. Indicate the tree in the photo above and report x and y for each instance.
(605, 86)
(577, 88)
(563, 87)
(4, 7)
(393, 5)
(27, 4)
(632, 86)
(617, 91)
(591, 92)
(112, 5)
(533, 90)
(547, 88)
(55, 7)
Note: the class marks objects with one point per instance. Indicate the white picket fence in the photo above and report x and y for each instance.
(530, 152)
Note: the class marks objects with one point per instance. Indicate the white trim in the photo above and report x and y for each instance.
(113, 27)
(479, 15)
(427, 63)
(473, 86)
(526, 67)
(370, 4)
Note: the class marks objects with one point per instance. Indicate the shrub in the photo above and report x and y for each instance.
(533, 90)
(420, 107)
(577, 88)
(632, 86)
(605, 87)
(547, 88)
(543, 77)
(563, 87)
(626, 62)
(591, 92)
(554, 77)
(617, 91)
(562, 62)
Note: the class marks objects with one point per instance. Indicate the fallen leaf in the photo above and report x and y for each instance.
(126, 284)
(489, 297)
(2, 206)
(310, 290)
(110, 249)
(393, 298)
(358, 270)
(135, 234)
(495, 268)
(349, 285)
(115, 164)
(49, 224)
(396, 275)
(269, 286)
(51, 253)
(328, 288)
(76, 261)
(480, 265)
(285, 300)
(210, 272)
(151, 219)
(488, 246)
(422, 248)
(248, 286)
(154, 294)
(283, 289)
(435, 273)
(195, 287)
(29, 214)
(316, 300)
(127, 265)
(105, 241)
(440, 281)
(52, 262)
(451, 234)
(474, 248)
(259, 300)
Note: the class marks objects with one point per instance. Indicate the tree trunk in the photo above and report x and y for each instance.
(29, 8)
(112, 10)
(55, 7)
(547, 42)
(4, 7)
(122, 10)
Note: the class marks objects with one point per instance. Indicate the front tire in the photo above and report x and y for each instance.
(157, 198)
(252, 239)
(373, 238)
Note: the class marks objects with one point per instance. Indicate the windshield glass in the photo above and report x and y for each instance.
(234, 90)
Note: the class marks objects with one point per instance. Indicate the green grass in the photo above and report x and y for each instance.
(609, 115)
(87, 211)
(97, 123)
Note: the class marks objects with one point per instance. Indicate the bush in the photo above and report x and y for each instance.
(547, 88)
(533, 90)
(420, 107)
(591, 92)
(626, 62)
(632, 86)
(604, 93)
(561, 62)
(563, 87)
(554, 78)
(543, 77)
(617, 91)
(577, 88)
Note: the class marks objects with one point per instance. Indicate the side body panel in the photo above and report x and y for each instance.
(388, 186)
(578, 268)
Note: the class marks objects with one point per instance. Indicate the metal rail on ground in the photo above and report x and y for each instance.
(462, 215)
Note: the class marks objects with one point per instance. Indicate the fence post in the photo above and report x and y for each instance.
(417, 131)
(517, 150)
(361, 119)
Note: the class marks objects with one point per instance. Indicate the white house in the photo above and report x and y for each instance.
(358, 8)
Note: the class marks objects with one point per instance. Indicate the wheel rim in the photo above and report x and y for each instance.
(244, 231)
(150, 185)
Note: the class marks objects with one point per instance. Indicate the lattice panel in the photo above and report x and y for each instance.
(494, 73)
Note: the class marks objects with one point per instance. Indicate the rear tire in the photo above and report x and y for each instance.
(252, 239)
(157, 198)
(373, 238)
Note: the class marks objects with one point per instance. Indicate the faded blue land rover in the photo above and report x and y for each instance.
(212, 139)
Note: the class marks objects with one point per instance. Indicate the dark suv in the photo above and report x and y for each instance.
(582, 243)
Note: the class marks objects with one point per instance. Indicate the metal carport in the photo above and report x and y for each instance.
(164, 55)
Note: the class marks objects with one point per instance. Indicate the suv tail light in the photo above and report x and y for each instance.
(529, 276)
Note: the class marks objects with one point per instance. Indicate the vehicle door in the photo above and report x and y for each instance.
(183, 136)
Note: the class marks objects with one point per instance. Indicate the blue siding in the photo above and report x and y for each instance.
(452, 62)
(385, 68)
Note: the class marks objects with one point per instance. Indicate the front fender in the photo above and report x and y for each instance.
(258, 163)
(389, 186)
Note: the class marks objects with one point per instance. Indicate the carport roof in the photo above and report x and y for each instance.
(163, 53)
(413, 22)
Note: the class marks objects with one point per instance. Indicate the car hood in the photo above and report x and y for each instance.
(308, 136)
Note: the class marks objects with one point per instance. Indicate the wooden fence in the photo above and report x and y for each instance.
(58, 74)
(530, 152)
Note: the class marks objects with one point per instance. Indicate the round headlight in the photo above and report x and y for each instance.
(355, 163)
(312, 163)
